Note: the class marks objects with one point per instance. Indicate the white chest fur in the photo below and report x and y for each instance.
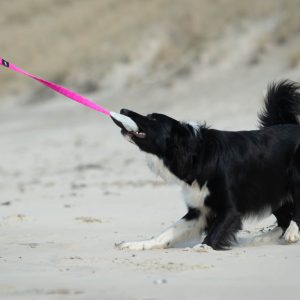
(157, 166)
(193, 195)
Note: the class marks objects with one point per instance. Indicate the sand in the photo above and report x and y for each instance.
(71, 187)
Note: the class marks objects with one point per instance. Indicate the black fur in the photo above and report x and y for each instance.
(246, 172)
(282, 104)
(193, 213)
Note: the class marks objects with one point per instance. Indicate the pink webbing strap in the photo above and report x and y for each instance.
(59, 89)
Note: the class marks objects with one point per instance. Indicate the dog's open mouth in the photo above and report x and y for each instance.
(138, 134)
(128, 126)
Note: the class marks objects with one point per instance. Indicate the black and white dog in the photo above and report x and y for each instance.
(226, 176)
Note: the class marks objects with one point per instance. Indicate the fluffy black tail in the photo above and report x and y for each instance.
(282, 104)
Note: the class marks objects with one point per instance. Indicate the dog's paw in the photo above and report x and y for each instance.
(291, 235)
(139, 246)
(202, 248)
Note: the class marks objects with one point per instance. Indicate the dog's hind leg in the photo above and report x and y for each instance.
(186, 229)
(284, 215)
(291, 234)
(288, 218)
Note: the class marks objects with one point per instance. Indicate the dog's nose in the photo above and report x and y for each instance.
(124, 111)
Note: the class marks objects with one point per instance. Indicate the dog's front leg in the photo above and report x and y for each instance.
(221, 232)
(183, 230)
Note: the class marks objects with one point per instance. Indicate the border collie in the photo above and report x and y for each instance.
(225, 176)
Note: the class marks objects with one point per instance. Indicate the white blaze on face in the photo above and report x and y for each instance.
(128, 123)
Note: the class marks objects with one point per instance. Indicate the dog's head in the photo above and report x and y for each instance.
(153, 133)
(177, 144)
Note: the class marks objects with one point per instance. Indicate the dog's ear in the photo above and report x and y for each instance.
(184, 148)
(187, 135)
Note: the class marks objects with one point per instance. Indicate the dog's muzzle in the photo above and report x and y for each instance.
(127, 124)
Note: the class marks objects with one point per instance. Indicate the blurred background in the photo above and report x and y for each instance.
(114, 46)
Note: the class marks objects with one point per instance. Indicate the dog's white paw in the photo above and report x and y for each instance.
(291, 235)
(139, 246)
(202, 248)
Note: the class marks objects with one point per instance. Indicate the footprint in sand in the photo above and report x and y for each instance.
(88, 220)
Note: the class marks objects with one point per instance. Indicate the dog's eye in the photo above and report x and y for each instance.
(150, 117)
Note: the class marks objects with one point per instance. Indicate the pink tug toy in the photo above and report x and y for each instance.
(128, 123)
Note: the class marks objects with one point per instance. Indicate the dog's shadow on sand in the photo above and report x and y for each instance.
(271, 235)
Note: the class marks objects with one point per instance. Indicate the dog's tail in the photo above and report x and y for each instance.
(282, 104)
